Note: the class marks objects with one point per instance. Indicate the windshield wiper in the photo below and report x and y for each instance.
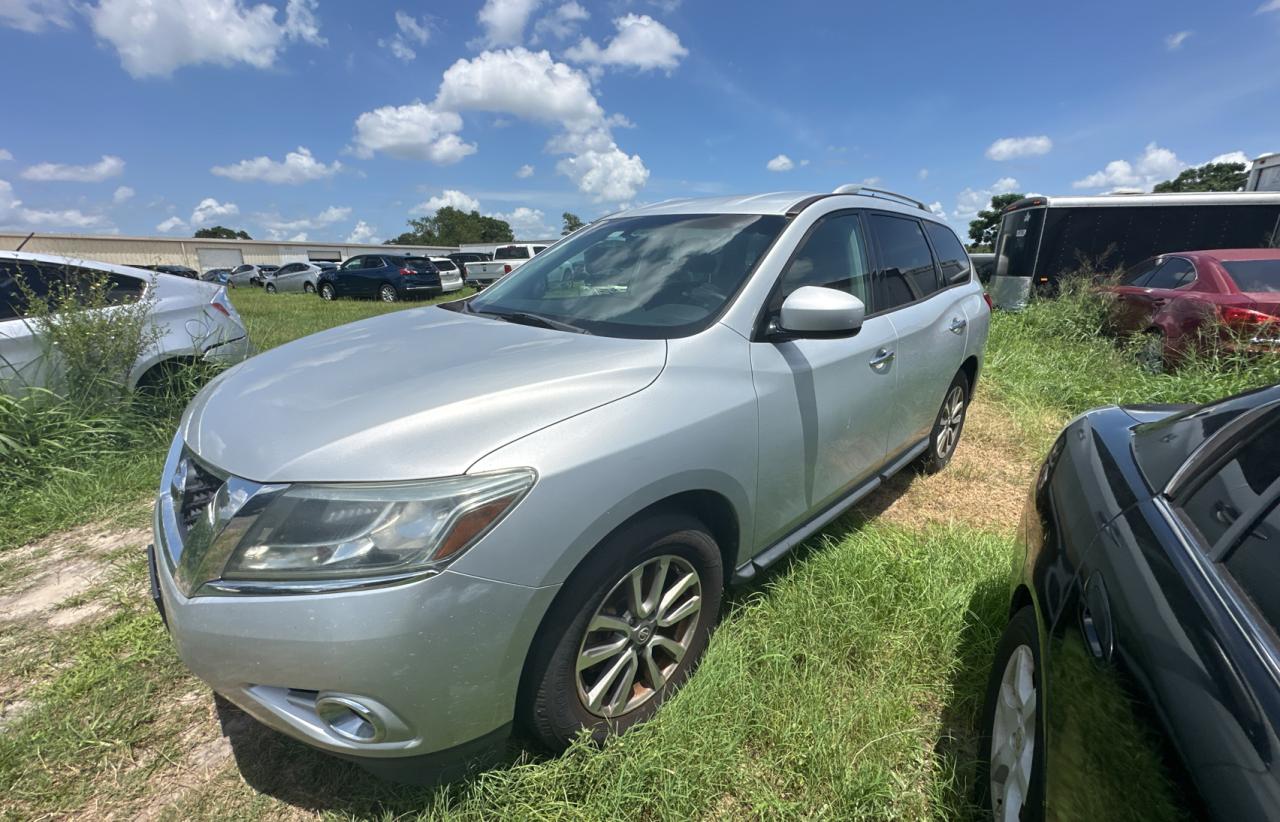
(527, 318)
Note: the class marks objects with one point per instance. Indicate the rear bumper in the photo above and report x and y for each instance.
(230, 352)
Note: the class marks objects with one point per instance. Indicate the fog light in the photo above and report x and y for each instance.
(349, 719)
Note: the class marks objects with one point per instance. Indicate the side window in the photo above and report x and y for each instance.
(1175, 273)
(538, 248)
(1137, 276)
(952, 258)
(1254, 563)
(833, 255)
(124, 289)
(906, 271)
(1236, 484)
(353, 263)
(13, 300)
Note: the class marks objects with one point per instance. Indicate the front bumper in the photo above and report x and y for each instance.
(436, 662)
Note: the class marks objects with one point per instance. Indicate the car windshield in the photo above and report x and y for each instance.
(659, 276)
(1253, 276)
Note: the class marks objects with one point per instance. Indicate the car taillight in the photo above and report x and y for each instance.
(990, 305)
(218, 303)
(1245, 317)
(506, 269)
(407, 272)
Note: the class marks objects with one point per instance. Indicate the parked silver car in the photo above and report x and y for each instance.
(293, 277)
(244, 275)
(194, 319)
(525, 506)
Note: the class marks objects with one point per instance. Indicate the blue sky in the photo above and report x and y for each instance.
(323, 120)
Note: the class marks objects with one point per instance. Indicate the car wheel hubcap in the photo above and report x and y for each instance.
(1013, 736)
(950, 419)
(638, 636)
(388, 296)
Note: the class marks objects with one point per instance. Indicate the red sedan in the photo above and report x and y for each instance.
(1172, 297)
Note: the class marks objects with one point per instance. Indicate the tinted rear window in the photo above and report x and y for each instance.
(512, 252)
(951, 254)
(1255, 275)
(446, 265)
(418, 264)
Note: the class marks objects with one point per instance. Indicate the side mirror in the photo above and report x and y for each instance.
(813, 311)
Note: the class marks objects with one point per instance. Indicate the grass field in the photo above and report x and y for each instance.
(843, 686)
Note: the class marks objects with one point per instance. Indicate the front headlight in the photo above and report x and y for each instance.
(348, 531)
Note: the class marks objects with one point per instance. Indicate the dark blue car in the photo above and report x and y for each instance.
(388, 277)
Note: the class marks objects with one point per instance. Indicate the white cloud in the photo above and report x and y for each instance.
(532, 86)
(1272, 5)
(109, 166)
(210, 209)
(1234, 156)
(1174, 41)
(5, 155)
(363, 233)
(416, 131)
(641, 43)
(871, 181)
(35, 15)
(780, 163)
(936, 208)
(410, 31)
(503, 21)
(8, 201)
(1011, 148)
(525, 171)
(1155, 164)
(449, 197)
(922, 174)
(297, 167)
(67, 218)
(527, 223)
(300, 237)
(153, 39)
(172, 224)
(122, 194)
(970, 201)
(561, 23)
(278, 228)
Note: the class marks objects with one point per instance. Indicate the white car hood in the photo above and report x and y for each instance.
(413, 394)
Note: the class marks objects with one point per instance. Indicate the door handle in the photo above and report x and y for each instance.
(883, 357)
(958, 325)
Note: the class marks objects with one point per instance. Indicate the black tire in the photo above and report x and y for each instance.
(271, 288)
(388, 293)
(551, 704)
(1021, 632)
(307, 288)
(945, 436)
(327, 292)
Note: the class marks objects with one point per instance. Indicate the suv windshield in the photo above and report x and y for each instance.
(660, 276)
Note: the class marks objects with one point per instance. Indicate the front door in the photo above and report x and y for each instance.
(825, 404)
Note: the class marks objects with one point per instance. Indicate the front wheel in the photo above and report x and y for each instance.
(327, 292)
(626, 631)
(388, 293)
(948, 426)
(271, 288)
(1010, 751)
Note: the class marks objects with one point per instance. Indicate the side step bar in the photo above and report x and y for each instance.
(747, 571)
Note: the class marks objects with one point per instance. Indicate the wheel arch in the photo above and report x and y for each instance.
(970, 369)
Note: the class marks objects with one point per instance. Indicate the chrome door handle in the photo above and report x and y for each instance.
(958, 325)
(883, 357)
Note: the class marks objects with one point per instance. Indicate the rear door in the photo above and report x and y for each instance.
(1130, 309)
(20, 352)
(928, 318)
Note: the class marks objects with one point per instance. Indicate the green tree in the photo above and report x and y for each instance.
(221, 233)
(982, 231)
(452, 226)
(1208, 177)
(571, 223)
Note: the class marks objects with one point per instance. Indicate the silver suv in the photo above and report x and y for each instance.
(535, 523)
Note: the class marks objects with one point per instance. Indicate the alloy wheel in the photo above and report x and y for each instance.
(1013, 736)
(388, 294)
(950, 419)
(638, 636)
(326, 291)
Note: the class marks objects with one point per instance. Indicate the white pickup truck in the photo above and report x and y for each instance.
(506, 259)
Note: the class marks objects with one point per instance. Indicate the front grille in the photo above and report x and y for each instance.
(198, 491)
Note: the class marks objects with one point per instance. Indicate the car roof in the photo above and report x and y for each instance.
(167, 282)
(775, 202)
(1233, 254)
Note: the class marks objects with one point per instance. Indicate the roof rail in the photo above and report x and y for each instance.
(867, 191)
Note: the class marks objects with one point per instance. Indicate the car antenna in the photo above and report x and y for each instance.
(24, 242)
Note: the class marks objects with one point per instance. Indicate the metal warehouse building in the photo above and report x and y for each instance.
(199, 254)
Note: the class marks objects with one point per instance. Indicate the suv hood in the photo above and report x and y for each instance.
(408, 395)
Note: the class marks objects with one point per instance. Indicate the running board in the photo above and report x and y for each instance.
(747, 571)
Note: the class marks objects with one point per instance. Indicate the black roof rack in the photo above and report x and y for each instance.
(868, 191)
